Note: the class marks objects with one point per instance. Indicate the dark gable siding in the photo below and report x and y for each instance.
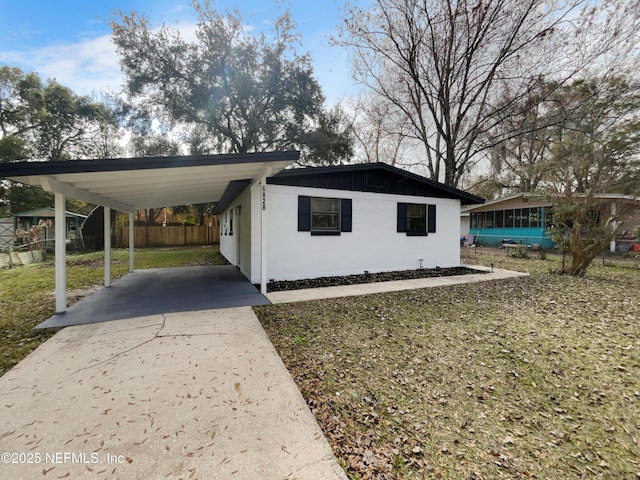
(378, 181)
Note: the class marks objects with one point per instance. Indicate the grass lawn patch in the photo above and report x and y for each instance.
(530, 377)
(27, 293)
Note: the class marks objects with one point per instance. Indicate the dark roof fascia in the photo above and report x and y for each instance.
(23, 169)
(449, 192)
(233, 191)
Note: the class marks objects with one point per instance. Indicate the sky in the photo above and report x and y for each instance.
(69, 40)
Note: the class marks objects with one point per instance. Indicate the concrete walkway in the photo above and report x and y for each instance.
(193, 395)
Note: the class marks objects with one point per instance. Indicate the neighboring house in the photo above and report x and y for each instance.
(521, 218)
(340, 220)
(31, 218)
(525, 218)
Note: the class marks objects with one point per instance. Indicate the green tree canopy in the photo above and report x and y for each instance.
(47, 121)
(232, 91)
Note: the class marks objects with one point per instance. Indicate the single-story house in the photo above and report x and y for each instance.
(525, 218)
(276, 223)
(32, 218)
(341, 220)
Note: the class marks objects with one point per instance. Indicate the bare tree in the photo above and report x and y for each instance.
(446, 65)
(379, 132)
(521, 162)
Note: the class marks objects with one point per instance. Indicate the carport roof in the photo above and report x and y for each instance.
(130, 184)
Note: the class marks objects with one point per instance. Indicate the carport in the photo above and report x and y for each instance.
(130, 184)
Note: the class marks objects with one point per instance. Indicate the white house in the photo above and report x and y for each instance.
(277, 223)
(342, 220)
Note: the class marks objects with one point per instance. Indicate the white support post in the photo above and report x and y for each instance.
(107, 247)
(263, 235)
(614, 211)
(61, 253)
(131, 241)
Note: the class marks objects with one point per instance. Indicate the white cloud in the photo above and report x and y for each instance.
(87, 67)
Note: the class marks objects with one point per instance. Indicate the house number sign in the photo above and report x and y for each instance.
(264, 197)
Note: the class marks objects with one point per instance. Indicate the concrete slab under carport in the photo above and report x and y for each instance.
(162, 290)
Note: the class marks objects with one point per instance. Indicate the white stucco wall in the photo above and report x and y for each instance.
(373, 245)
(236, 247)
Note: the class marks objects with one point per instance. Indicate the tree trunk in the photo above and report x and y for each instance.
(583, 255)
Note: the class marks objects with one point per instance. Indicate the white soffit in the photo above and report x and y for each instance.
(159, 183)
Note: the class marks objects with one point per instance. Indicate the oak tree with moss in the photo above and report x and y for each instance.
(230, 90)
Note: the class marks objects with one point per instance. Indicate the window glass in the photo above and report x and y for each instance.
(325, 213)
(508, 218)
(534, 217)
(416, 218)
(500, 219)
(525, 218)
(489, 220)
(474, 220)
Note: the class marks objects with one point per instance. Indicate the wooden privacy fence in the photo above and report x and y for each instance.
(169, 236)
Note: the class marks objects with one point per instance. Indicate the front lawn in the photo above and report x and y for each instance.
(27, 293)
(532, 377)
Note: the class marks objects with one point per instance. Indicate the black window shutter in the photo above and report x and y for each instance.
(304, 213)
(345, 215)
(402, 217)
(431, 219)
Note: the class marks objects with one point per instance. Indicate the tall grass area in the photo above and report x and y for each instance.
(27, 293)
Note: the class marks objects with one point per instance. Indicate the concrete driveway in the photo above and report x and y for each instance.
(193, 395)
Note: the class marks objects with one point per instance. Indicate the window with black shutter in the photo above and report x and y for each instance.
(324, 216)
(416, 219)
